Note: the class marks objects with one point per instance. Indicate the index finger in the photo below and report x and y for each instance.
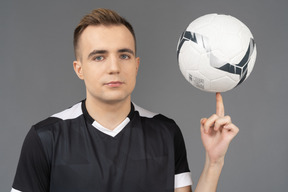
(219, 105)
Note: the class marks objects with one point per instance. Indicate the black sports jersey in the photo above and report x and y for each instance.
(71, 152)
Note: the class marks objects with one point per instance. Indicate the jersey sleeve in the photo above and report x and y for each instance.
(33, 170)
(182, 171)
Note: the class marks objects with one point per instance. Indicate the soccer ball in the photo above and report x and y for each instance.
(216, 52)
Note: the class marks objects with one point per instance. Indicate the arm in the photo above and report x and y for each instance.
(216, 133)
(32, 173)
(183, 189)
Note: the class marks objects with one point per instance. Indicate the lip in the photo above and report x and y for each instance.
(114, 83)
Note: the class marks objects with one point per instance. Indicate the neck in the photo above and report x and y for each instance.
(109, 115)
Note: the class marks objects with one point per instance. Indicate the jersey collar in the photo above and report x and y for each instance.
(103, 129)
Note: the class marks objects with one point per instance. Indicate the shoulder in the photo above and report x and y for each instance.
(156, 120)
(54, 127)
(70, 113)
(59, 121)
(144, 112)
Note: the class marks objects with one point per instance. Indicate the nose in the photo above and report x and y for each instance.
(114, 66)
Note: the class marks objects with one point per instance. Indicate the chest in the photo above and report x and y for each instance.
(137, 159)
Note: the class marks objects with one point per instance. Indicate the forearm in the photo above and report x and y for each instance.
(209, 178)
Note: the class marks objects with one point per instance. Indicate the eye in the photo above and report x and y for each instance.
(98, 58)
(124, 56)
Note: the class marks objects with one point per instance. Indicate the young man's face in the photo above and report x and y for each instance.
(107, 63)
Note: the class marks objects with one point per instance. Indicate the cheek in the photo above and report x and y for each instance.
(91, 76)
(132, 74)
(132, 79)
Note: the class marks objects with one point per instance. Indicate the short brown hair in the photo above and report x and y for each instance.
(100, 16)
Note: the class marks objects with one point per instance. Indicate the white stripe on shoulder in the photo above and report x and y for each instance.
(183, 180)
(71, 113)
(14, 190)
(144, 112)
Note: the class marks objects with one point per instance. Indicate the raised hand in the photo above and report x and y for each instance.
(217, 132)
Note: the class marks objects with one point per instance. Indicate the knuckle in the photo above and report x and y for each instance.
(218, 122)
(228, 118)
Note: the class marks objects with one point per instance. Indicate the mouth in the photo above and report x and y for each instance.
(114, 84)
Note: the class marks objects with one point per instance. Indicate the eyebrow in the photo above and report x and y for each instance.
(124, 50)
(94, 52)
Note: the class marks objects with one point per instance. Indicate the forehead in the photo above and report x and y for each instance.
(111, 37)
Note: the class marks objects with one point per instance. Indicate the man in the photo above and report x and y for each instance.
(107, 143)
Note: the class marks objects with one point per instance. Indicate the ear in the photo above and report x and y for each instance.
(137, 63)
(77, 65)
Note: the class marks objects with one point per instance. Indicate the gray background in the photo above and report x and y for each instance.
(37, 80)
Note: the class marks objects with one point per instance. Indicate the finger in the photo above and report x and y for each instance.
(219, 105)
(232, 129)
(209, 123)
(222, 121)
(203, 121)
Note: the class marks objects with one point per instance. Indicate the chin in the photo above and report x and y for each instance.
(117, 99)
